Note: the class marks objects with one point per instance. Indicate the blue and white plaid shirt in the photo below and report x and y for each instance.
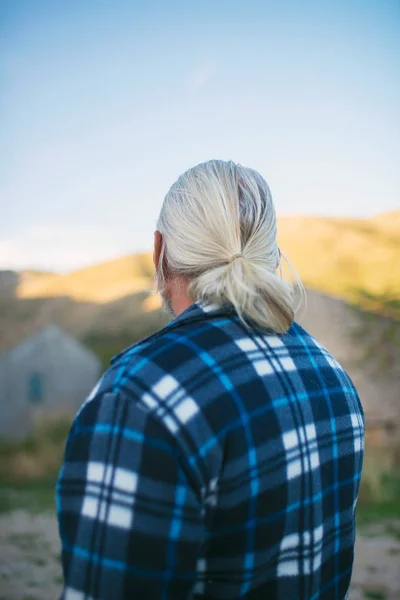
(213, 461)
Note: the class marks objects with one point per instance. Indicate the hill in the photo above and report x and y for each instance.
(104, 282)
(353, 259)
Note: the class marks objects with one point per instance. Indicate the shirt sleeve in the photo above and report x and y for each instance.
(131, 523)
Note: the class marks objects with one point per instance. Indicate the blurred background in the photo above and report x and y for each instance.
(102, 106)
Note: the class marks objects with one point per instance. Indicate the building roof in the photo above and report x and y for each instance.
(49, 333)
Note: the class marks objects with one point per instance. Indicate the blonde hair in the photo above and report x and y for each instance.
(218, 225)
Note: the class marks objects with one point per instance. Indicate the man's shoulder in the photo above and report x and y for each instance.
(163, 353)
(142, 376)
(158, 378)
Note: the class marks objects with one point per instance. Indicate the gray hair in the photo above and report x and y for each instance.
(218, 225)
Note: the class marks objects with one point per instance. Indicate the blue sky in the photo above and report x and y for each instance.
(104, 103)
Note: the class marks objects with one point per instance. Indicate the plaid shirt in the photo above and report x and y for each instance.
(213, 461)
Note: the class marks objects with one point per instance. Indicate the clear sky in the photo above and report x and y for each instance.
(104, 103)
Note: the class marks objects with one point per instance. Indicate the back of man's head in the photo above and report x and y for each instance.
(218, 226)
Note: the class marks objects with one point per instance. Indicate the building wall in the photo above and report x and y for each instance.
(67, 372)
(8, 283)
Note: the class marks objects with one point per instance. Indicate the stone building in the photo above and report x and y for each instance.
(46, 375)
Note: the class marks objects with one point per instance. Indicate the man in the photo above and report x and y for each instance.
(220, 458)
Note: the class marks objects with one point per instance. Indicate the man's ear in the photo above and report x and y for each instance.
(158, 242)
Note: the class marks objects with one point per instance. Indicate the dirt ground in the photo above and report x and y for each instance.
(30, 567)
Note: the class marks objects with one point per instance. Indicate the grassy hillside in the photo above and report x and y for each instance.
(100, 283)
(354, 259)
(348, 258)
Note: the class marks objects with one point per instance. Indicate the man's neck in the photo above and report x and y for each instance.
(178, 296)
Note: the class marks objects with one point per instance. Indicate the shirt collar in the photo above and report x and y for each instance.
(194, 311)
